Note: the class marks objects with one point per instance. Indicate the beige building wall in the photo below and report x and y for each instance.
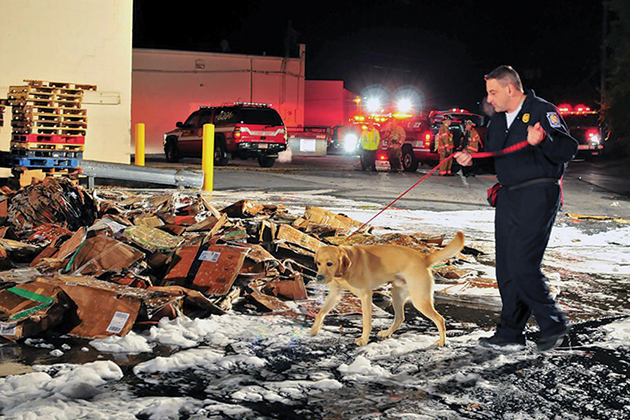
(169, 85)
(77, 41)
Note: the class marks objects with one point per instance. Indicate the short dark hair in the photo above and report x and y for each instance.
(505, 74)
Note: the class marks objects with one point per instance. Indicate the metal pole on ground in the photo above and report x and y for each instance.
(207, 157)
(139, 161)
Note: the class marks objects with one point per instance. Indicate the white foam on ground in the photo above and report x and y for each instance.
(131, 343)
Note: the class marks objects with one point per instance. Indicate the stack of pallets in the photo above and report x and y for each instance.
(3, 103)
(48, 128)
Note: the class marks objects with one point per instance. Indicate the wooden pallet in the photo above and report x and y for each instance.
(30, 109)
(48, 138)
(36, 117)
(74, 118)
(47, 103)
(31, 89)
(68, 104)
(20, 96)
(19, 123)
(28, 130)
(48, 146)
(44, 162)
(66, 85)
(65, 131)
(72, 111)
(55, 154)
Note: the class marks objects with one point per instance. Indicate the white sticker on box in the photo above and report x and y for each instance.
(209, 256)
(118, 322)
(8, 328)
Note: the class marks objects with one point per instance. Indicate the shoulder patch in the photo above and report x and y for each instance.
(554, 120)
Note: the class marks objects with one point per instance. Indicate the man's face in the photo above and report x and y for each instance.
(468, 127)
(498, 94)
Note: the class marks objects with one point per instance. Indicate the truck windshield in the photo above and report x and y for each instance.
(582, 120)
(260, 116)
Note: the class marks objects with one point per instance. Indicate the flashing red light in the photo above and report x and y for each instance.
(237, 133)
(592, 133)
(382, 157)
(564, 108)
(427, 137)
(581, 108)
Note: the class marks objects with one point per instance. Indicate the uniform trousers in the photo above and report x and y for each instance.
(523, 221)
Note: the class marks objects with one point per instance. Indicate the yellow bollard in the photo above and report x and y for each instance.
(139, 144)
(207, 157)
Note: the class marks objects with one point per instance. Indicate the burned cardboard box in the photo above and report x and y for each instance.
(31, 308)
(320, 216)
(208, 268)
(52, 200)
(101, 253)
(102, 308)
(291, 235)
(152, 239)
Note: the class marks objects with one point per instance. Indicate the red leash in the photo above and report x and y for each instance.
(518, 146)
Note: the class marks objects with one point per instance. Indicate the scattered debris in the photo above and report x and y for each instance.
(95, 265)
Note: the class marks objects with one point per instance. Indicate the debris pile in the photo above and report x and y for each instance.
(99, 265)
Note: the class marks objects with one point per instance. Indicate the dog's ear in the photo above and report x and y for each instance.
(344, 263)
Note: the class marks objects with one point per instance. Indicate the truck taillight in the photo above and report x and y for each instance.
(237, 133)
(427, 137)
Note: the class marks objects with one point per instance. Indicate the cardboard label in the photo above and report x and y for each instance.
(118, 322)
(8, 328)
(210, 256)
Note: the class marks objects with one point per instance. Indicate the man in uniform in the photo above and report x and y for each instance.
(445, 145)
(471, 144)
(370, 140)
(526, 206)
(395, 136)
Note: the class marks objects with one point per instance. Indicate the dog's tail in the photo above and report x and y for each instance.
(450, 250)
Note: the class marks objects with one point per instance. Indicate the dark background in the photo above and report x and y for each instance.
(441, 48)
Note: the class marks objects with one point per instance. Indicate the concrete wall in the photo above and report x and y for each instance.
(169, 85)
(77, 41)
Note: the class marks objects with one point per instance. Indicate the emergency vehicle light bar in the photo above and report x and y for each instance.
(565, 109)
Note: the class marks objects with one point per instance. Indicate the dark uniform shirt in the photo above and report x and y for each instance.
(546, 160)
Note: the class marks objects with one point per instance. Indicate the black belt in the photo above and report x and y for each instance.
(533, 182)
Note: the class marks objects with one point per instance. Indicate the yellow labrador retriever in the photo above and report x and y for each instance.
(362, 268)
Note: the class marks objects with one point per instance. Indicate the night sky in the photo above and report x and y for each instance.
(441, 48)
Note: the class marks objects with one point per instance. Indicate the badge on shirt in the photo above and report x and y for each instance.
(554, 120)
(526, 117)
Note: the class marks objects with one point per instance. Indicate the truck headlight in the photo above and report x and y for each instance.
(350, 142)
(595, 139)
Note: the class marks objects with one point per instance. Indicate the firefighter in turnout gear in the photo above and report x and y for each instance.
(370, 140)
(470, 143)
(395, 136)
(445, 145)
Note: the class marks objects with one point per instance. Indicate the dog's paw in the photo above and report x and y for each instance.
(384, 334)
(313, 332)
(361, 341)
(439, 343)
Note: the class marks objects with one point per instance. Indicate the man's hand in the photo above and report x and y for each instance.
(463, 158)
(535, 134)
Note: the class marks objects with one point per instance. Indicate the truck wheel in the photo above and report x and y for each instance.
(409, 161)
(171, 151)
(220, 159)
(266, 162)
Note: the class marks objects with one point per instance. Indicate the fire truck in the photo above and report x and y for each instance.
(585, 126)
(421, 130)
